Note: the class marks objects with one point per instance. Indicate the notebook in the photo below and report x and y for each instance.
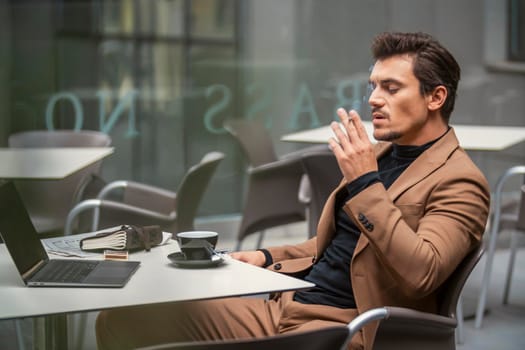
(33, 263)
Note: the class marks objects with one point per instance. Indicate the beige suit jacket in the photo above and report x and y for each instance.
(413, 235)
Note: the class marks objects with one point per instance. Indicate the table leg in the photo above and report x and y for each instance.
(39, 333)
(56, 332)
(50, 332)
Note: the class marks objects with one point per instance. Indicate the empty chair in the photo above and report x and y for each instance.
(398, 328)
(504, 217)
(320, 339)
(273, 183)
(323, 175)
(519, 229)
(142, 204)
(49, 201)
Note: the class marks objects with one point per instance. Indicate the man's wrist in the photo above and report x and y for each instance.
(362, 182)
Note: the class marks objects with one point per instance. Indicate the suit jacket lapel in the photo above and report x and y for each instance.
(425, 164)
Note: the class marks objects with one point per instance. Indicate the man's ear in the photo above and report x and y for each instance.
(437, 98)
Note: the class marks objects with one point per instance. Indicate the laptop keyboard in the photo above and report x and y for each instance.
(65, 271)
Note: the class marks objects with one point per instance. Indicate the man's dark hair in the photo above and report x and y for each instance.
(434, 65)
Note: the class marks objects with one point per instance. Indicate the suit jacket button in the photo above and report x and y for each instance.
(277, 266)
(361, 217)
(369, 227)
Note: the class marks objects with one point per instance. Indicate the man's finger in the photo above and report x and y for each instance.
(336, 148)
(341, 113)
(348, 123)
(358, 125)
(340, 135)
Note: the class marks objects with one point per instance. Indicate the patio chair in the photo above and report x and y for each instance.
(271, 198)
(324, 176)
(504, 217)
(143, 204)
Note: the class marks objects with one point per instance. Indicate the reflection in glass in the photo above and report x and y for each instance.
(213, 19)
(159, 17)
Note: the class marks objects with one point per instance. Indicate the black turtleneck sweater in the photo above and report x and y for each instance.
(331, 273)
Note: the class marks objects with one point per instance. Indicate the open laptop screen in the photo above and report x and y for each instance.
(25, 249)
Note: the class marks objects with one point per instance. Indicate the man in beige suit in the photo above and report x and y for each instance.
(407, 212)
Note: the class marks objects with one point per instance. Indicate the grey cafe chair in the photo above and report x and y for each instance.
(505, 216)
(398, 327)
(320, 339)
(143, 204)
(271, 198)
(49, 201)
(323, 176)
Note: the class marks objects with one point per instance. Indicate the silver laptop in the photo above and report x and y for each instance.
(33, 263)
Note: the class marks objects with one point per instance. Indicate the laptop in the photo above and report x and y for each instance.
(33, 263)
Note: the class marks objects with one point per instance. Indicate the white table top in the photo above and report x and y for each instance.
(47, 163)
(471, 137)
(156, 281)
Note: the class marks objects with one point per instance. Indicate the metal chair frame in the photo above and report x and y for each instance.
(499, 219)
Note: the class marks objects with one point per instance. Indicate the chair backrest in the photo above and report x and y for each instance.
(192, 188)
(254, 140)
(451, 289)
(49, 201)
(409, 329)
(319, 339)
(324, 175)
(178, 208)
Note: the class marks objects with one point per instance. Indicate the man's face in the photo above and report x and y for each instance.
(399, 111)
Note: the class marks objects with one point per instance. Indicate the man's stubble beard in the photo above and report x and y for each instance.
(390, 136)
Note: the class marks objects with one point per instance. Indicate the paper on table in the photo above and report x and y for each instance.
(70, 245)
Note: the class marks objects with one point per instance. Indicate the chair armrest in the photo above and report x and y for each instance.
(311, 149)
(97, 204)
(409, 315)
(402, 322)
(276, 166)
(365, 318)
(135, 186)
(141, 195)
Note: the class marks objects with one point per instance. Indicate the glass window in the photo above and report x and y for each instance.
(159, 17)
(213, 18)
(138, 71)
(161, 76)
(516, 38)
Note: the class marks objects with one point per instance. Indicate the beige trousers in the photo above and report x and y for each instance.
(232, 318)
